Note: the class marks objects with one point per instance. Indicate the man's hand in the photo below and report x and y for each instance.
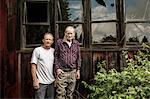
(35, 80)
(58, 72)
(36, 84)
(78, 74)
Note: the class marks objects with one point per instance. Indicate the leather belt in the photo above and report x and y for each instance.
(68, 70)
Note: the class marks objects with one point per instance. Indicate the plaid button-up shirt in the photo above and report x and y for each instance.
(67, 57)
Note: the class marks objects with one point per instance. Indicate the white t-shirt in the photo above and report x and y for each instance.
(44, 59)
(69, 43)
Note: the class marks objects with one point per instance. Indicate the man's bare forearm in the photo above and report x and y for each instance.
(33, 72)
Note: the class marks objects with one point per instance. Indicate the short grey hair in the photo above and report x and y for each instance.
(47, 33)
(70, 27)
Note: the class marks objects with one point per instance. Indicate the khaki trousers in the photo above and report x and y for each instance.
(65, 84)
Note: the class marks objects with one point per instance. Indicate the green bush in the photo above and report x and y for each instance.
(133, 82)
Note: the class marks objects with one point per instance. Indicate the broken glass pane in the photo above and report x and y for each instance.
(103, 10)
(137, 9)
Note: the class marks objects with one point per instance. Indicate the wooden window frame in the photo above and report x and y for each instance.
(119, 29)
(132, 45)
(24, 23)
(60, 22)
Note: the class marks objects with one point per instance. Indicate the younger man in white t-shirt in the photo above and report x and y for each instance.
(42, 68)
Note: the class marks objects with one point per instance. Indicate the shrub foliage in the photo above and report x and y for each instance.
(133, 82)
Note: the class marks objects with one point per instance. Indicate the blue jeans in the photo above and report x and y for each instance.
(46, 91)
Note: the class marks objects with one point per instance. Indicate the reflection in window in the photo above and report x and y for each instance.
(103, 32)
(34, 34)
(103, 10)
(78, 30)
(70, 10)
(137, 9)
(36, 12)
(138, 32)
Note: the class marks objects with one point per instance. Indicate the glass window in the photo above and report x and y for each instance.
(35, 22)
(70, 13)
(103, 32)
(103, 10)
(78, 30)
(138, 32)
(137, 21)
(36, 12)
(137, 9)
(70, 10)
(34, 34)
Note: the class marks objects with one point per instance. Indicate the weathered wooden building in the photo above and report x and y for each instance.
(103, 27)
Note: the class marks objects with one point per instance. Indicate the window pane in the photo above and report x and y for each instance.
(34, 34)
(103, 32)
(138, 32)
(78, 30)
(36, 12)
(103, 10)
(137, 9)
(70, 10)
